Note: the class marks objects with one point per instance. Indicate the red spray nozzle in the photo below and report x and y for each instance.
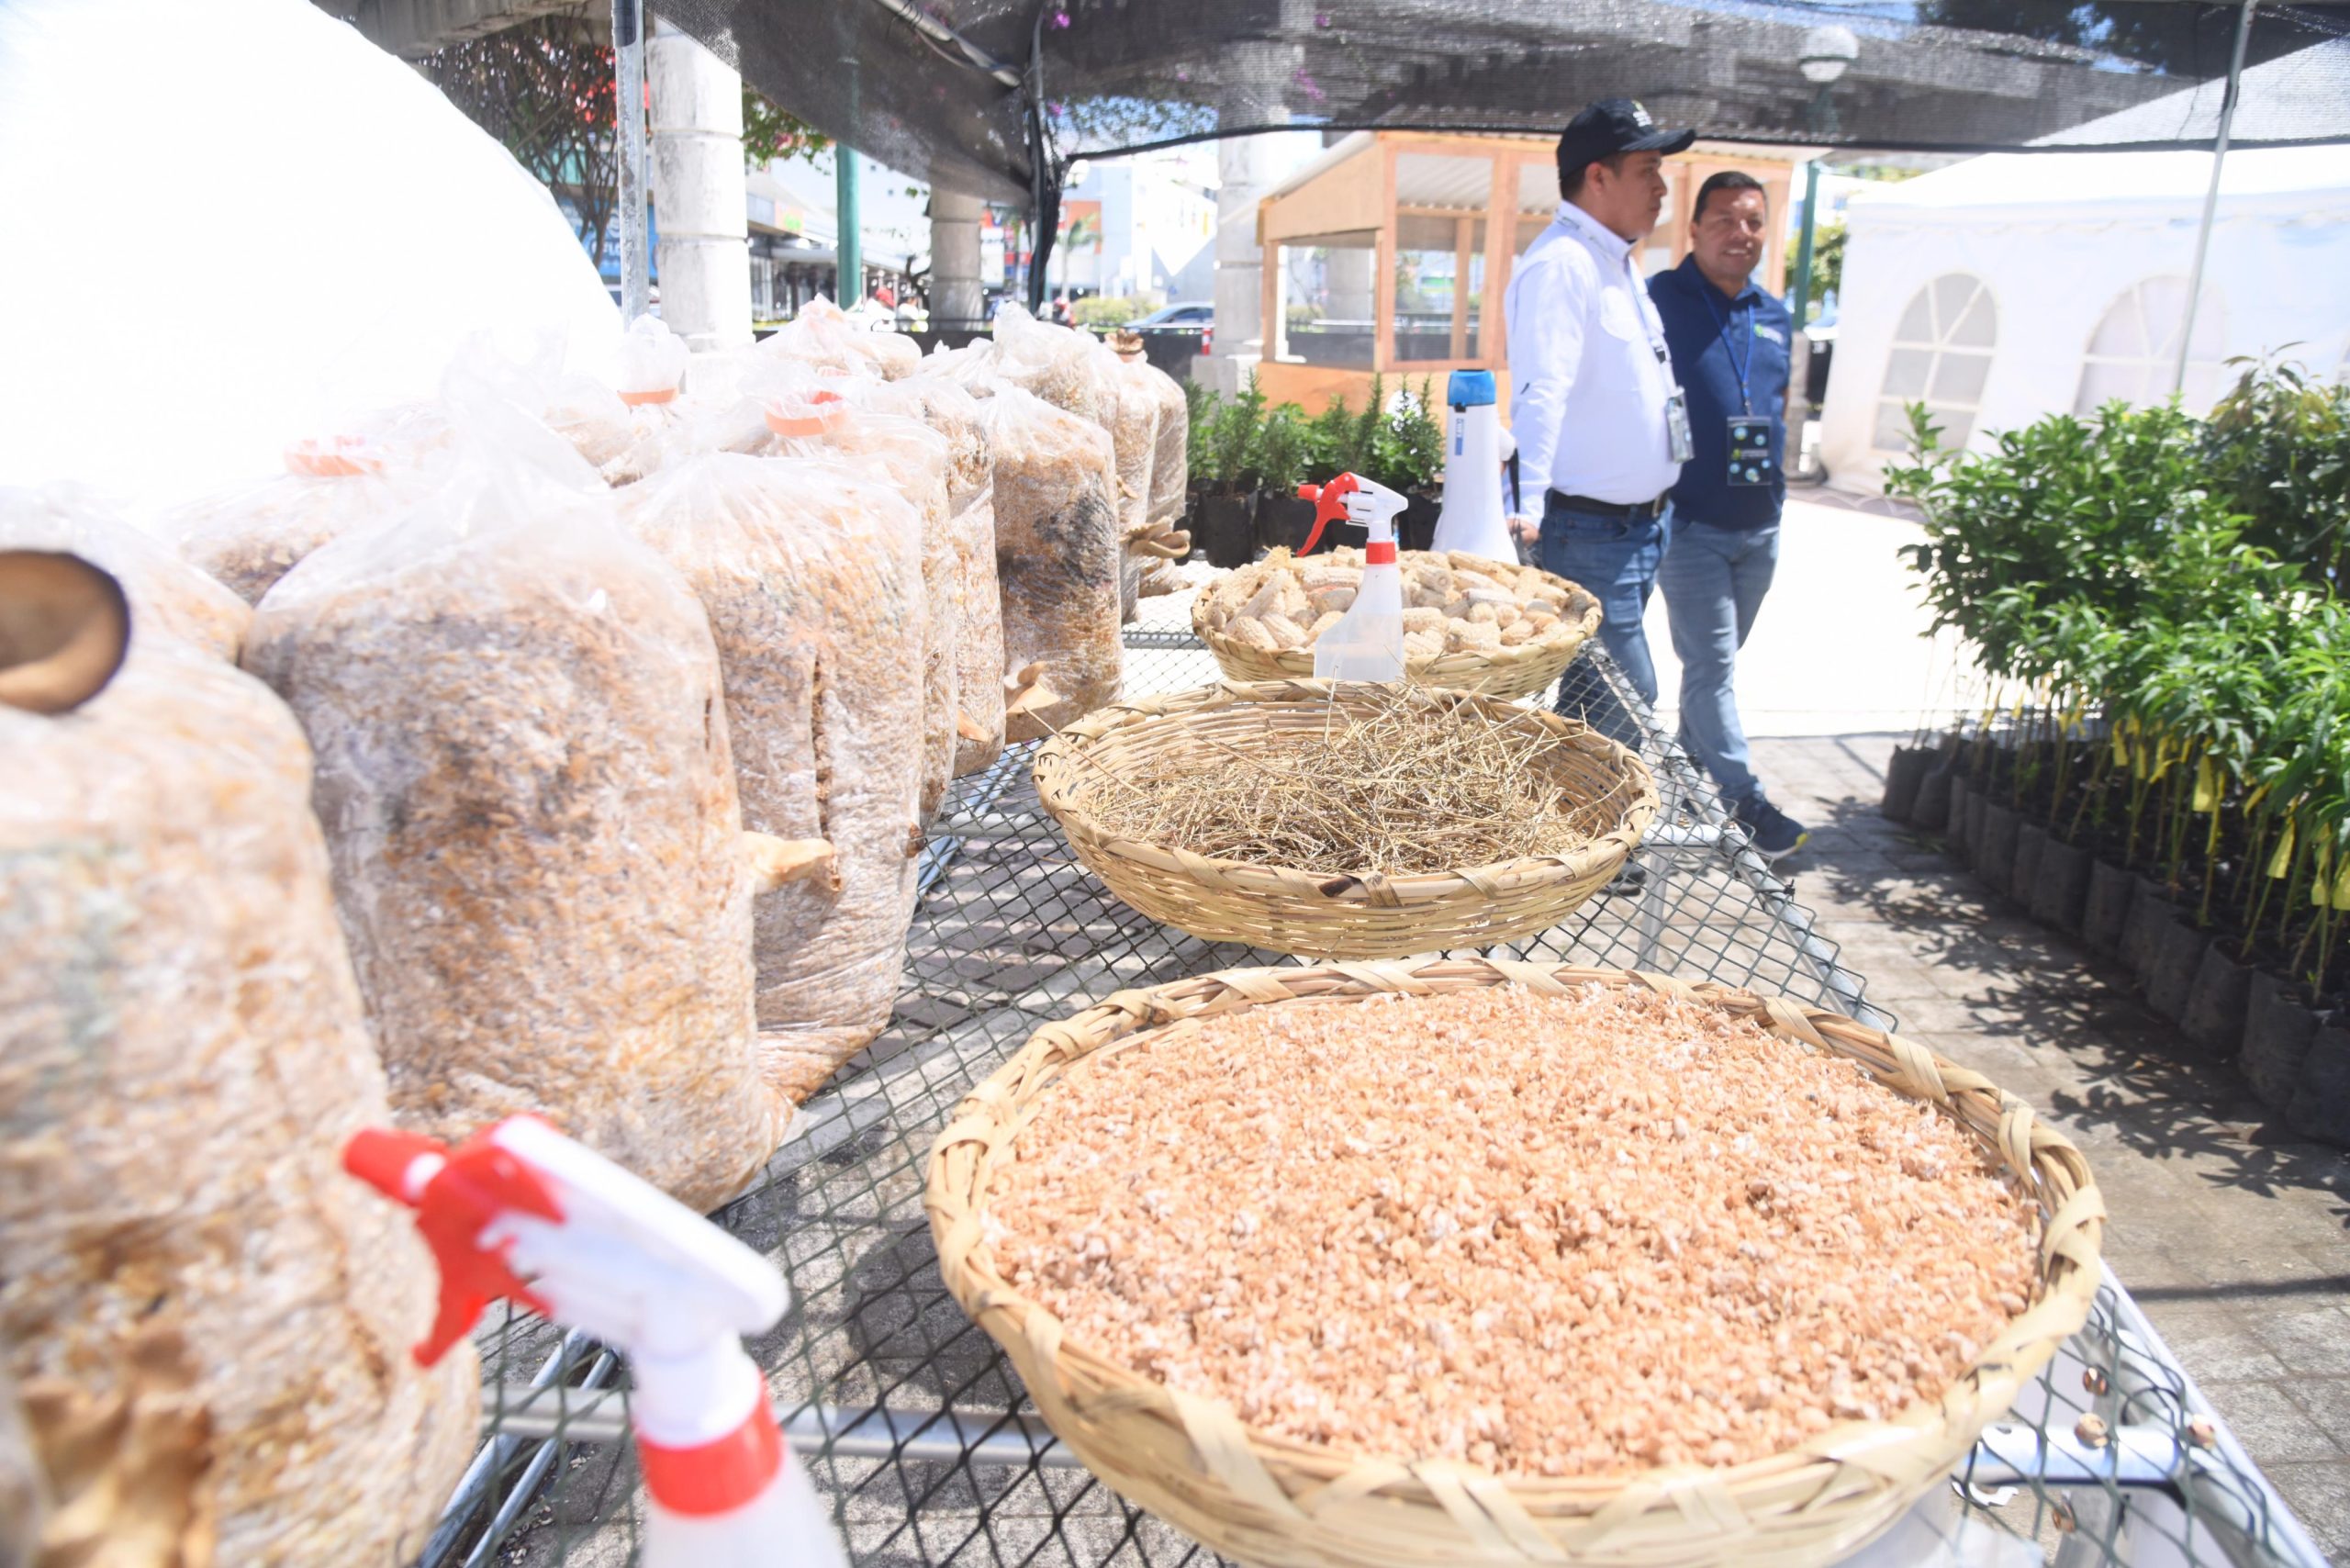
(454, 1202)
(1329, 505)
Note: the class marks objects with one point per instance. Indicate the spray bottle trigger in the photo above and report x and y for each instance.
(473, 1184)
(1329, 505)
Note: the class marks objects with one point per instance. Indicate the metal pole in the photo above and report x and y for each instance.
(1799, 345)
(1800, 300)
(628, 115)
(850, 286)
(2211, 197)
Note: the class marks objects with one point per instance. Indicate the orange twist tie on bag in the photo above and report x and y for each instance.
(658, 394)
(828, 409)
(339, 458)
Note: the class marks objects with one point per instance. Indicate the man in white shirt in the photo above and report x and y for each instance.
(1600, 423)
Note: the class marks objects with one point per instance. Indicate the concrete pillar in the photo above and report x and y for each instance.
(699, 197)
(956, 297)
(1242, 165)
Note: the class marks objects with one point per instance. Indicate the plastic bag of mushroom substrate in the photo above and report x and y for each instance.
(1057, 554)
(1171, 462)
(653, 361)
(182, 1057)
(525, 780)
(1067, 368)
(248, 536)
(826, 336)
(948, 408)
(814, 415)
(161, 588)
(1134, 439)
(811, 570)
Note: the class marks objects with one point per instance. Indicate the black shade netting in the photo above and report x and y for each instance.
(899, 79)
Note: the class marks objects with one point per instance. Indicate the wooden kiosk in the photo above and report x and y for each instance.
(1390, 251)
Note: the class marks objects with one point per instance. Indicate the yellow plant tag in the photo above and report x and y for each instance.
(2340, 898)
(2321, 885)
(2280, 864)
(2207, 786)
(2120, 748)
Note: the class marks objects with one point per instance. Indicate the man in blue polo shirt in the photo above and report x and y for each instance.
(1729, 341)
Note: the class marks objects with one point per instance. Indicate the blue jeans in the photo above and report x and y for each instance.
(1617, 561)
(1714, 580)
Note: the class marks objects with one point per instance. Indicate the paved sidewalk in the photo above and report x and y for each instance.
(2233, 1235)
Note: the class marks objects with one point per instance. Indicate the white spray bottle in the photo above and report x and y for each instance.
(1368, 642)
(522, 1212)
(1471, 520)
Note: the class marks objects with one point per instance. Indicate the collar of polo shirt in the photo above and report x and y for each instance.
(1612, 244)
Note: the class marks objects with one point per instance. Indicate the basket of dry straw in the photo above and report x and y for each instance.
(1346, 820)
(1383, 1353)
(1473, 625)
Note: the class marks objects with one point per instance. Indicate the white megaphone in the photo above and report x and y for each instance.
(1471, 520)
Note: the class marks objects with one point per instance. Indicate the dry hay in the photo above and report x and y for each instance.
(1401, 788)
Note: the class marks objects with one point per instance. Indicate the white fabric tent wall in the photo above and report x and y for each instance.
(2057, 238)
(233, 224)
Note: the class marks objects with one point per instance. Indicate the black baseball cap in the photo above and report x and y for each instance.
(1612, 126)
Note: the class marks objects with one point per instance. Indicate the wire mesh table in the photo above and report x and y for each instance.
(913, 1422)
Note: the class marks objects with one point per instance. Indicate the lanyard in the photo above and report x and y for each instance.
(1722, 321)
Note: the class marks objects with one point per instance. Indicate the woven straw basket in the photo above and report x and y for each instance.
(1283, 1504)
(1509, 673)
(1317, 913)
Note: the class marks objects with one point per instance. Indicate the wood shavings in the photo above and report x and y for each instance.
(1548, 1235)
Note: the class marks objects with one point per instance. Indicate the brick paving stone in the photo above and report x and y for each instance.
(2232, 1233)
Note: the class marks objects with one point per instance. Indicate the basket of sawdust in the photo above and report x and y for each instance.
(1346, 820)
(1474, 625)
(1492, 1262)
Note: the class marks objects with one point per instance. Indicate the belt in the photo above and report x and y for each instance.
(1636, 512)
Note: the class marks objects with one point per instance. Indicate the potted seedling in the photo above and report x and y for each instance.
(1223, 450)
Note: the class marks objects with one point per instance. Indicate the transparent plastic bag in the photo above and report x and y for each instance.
(1133, 437)
(1171, 462)
(1067, 368)
(653, 362)
(182, 1057)
(811, 570)
(1057, 554)
(160, 585)
(814, 415)
(947, 408)
(825, 337)
(249, 536)
(524, 775)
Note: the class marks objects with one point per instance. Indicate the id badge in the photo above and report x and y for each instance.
(1750, 451)
(1677, 426)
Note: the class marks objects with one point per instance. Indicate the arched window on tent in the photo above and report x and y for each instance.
(2133, 353)
(1941, 356)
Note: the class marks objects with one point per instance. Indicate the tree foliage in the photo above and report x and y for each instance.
(544, 90)
(769, 133)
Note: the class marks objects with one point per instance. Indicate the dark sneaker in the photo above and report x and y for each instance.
(1775, 833)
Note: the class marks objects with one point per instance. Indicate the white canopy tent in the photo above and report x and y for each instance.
(2015, 285)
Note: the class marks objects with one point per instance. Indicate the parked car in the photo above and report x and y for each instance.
(1185, 313)
(1181, 318)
